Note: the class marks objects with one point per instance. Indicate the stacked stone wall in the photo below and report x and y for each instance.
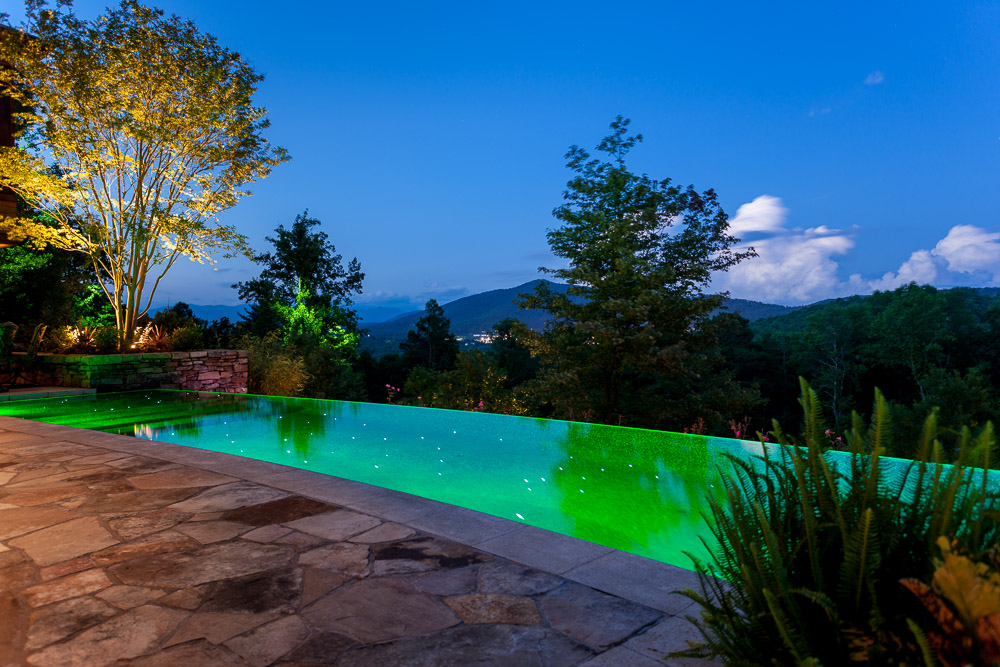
(201, 370)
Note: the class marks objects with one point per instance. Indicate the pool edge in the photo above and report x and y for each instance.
(635, 578)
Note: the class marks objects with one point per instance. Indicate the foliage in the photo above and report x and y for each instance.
(91, 308)
(105, 340)
(510, 348)
(327, 351)
(176, 317)
(476, 384)
(272, 370)
(922, 346)
(302, 259)
(813, 544)
(220, 334)
(187, 338)
(137, 130)
(39, 286)
(964, 603)
(627, 341)
(430, 343)
(154, 338)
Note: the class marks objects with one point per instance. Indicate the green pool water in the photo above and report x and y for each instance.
(640, 491)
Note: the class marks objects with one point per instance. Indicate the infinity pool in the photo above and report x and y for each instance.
(640, 491)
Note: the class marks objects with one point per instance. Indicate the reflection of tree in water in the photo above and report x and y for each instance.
(171, 412)
(621, 486)
(300, 423)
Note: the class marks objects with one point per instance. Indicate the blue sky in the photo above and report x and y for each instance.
(856, 145)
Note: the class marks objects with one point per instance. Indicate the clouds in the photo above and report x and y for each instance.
(796, 265)
(875, 78)
(792, 265)
(970, 249)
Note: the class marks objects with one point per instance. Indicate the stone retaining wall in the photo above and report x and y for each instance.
(202, 370)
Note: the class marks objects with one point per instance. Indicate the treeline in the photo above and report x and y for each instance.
(924, 348)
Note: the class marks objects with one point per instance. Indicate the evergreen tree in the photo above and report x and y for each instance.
(627, 341)
(431, 343)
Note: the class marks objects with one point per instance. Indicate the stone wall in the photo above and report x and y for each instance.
(202, 370)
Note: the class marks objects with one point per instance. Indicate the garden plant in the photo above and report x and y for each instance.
(828, 557)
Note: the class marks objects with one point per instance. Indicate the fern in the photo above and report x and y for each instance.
(813, 543)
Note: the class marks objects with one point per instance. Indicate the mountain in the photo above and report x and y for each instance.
(477, 313)
(755, 310)
(469, 315)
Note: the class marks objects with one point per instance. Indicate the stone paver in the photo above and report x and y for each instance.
(229, 497)
(606, 619)
(266, 643)
(544, 549)
(374, 610)
(350, 560)
(144, 523)
(208, 532)
(129, 635)
(214, 562)
(500, 609)
(62, 619)
(126, 597)
(115, 550)
(336, 525)
(81, 583)
(387, 532)
(179, 478)
(494, 645)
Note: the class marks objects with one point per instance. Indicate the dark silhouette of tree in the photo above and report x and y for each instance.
(431, 343)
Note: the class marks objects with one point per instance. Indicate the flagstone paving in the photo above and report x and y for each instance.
(109, 556)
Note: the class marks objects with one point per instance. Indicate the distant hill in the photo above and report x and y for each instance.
(797, 320)
(478, 313)
(755, 310)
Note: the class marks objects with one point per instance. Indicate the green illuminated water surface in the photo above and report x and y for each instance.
(636, 490)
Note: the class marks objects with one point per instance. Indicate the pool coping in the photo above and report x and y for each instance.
(635, 578)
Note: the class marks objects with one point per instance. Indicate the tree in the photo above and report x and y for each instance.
(302, 259)
(431, 343)
(626, 341)
(137, 130)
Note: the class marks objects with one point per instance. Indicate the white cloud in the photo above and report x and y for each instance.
(796, 265)
(970, 249)
(793, 265)
(875, 78)
(763, 214)
(919, 268)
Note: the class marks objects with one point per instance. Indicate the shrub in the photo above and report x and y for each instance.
(61, 338)
(964, 605)
(153, 338)
(273, 371)
(106, 340)
(814, 543)
(187, 338)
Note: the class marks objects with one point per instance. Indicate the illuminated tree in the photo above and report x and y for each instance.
(136, 131)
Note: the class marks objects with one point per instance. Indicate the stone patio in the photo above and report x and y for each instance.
(116, 550)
